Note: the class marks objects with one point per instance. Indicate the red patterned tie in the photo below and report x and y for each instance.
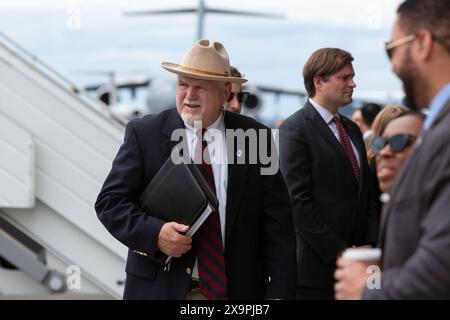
(347, 146)
(208, 239)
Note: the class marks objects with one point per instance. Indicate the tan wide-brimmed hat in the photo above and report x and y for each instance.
(205, 60)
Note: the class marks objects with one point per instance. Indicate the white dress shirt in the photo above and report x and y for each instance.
(328, 117)
(219, 162)
(218, 153)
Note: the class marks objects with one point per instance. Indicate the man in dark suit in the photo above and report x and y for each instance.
(246, 249)
(324, 164)
(415, 224)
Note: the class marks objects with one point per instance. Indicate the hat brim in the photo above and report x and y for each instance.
(176, 68)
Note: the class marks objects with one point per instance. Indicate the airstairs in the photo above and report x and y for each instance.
(56, 148)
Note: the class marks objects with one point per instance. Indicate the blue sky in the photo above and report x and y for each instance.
(94, 35)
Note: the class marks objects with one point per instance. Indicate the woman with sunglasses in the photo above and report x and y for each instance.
(394, 146)
(386, 115)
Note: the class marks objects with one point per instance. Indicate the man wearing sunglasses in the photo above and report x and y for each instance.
(237, 96)
(415, 225)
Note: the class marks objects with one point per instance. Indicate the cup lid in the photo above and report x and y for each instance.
(362, 254)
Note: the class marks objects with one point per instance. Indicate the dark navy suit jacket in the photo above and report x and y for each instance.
(259, 232)
(332, 210)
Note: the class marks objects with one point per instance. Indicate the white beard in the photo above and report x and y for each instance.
(187, 116)
(190, 118)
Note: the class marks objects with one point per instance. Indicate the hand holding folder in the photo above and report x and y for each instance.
(178, 192)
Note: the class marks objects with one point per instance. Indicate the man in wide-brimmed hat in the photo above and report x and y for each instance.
(246, 248)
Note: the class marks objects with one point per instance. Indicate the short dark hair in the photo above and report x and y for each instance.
(368, 113)
(324, 63)
(433, 15)
(235, 72)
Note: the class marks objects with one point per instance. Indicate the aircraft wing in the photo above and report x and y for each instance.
(131, 84)
(167, 11)
(206, 9)
(281, 91)
(246, 13)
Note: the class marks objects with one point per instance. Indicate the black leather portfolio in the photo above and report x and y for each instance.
(180, 193)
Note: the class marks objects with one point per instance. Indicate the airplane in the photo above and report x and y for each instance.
(160, 90)
(159, 95)
(201, 11)
(109, 93)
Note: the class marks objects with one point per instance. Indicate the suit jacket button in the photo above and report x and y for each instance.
(188, 270)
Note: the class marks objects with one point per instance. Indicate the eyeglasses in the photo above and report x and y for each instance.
(397, 143)
(240, 96)
(391, 45)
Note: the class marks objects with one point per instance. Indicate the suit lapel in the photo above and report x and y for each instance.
(322, 127)
(173, 122)
(325, 131)
(237, 176)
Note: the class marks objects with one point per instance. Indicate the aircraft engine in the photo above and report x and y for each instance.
(105, 94)
(161, 94)
(254, 102)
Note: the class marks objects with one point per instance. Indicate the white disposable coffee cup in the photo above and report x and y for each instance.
(369, 256)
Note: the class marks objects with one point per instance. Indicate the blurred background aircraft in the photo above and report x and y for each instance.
(58, 142)
(94, 35)
(159, 91)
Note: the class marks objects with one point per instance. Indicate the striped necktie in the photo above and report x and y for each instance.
(347, 146)
(208, 239)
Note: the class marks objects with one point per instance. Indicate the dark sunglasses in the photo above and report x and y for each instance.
(397, 143)
(240, 96)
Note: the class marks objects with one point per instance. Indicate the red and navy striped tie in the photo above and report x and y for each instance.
(208, 239)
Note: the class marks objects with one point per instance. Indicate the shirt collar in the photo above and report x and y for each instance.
(218, 124)
(367, 134)
(436, 105)
(326, 115)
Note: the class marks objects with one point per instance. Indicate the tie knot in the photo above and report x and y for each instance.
(200, 146)
(336, 119)
(200, 134)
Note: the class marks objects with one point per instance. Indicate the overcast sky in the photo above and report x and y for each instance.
(83, 35)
